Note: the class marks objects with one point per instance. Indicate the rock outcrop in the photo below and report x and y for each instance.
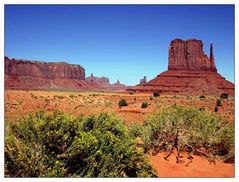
(98, 81)
(24, 74)
(143, 81)
(103, 83)
(190, 72)
(189, 55)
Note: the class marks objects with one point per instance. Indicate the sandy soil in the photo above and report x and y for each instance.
(199, 167)
(20, 103)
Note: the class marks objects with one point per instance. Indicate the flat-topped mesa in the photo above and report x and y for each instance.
(48, 70)
(189, 55)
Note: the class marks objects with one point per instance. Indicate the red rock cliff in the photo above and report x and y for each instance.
(43, 69)
(189, 55)
(23, 74)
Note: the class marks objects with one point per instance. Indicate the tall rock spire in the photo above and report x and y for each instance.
(212, 60)
(211, 52)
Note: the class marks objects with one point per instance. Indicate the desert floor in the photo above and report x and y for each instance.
(19, 103)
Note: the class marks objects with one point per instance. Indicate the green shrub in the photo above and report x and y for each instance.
(187, 130)
(48, 145)
(202, 97)
(216, 109)
(201, 109)
(219, 102)
(131, 93)
(224, 96)
(71, 96)
(150, 98)
(156, 94)
(144, 105)
(123, 102)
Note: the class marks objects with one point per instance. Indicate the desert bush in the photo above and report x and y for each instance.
(202, 97)
(201, 109)
(156, 94)
(219, 102)
(57, 144)
(216, 109)
(224, 96)
(187, 130)
(144, 105)
(123, 102)
(151, 98)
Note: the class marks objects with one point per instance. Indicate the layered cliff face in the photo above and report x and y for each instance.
(23, 74)
(46, 70)
(190, 72)
(189, 55)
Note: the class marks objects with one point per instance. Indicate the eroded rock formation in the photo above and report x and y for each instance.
(190, 72)
(189, 55)
(24, 74)
(103, 83)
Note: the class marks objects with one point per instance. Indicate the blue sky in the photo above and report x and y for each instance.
(124, 42)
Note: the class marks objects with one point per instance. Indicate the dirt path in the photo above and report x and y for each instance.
(198, 168)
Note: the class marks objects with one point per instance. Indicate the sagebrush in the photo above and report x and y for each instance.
(190, 130)
(60, 145)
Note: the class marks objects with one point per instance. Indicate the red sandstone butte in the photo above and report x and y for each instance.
(103, 83)
(24, 74)
(190, 72)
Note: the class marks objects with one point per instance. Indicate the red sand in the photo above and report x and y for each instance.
(199, 167)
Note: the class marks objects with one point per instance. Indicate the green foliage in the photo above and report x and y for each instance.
(187, 130)
(144, 105)
(71, 96)
(219, 102)
(57, 144)
(131, 93)
(123, 102)
(202, 97)
(224, 96)
(156, 94)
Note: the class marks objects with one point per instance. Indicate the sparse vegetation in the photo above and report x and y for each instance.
(187, 130)
(122, 103)
(156, 94)
(224, 96)
(33, 96)
(216, 109)
(61, 145)
(201, 109)
(71, 96)
(202, 97)
(144, 105)
(219, 102)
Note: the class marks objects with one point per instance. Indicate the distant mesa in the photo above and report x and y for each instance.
(39, 75)
(103, 82)
(190, 72)
(143, 81)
